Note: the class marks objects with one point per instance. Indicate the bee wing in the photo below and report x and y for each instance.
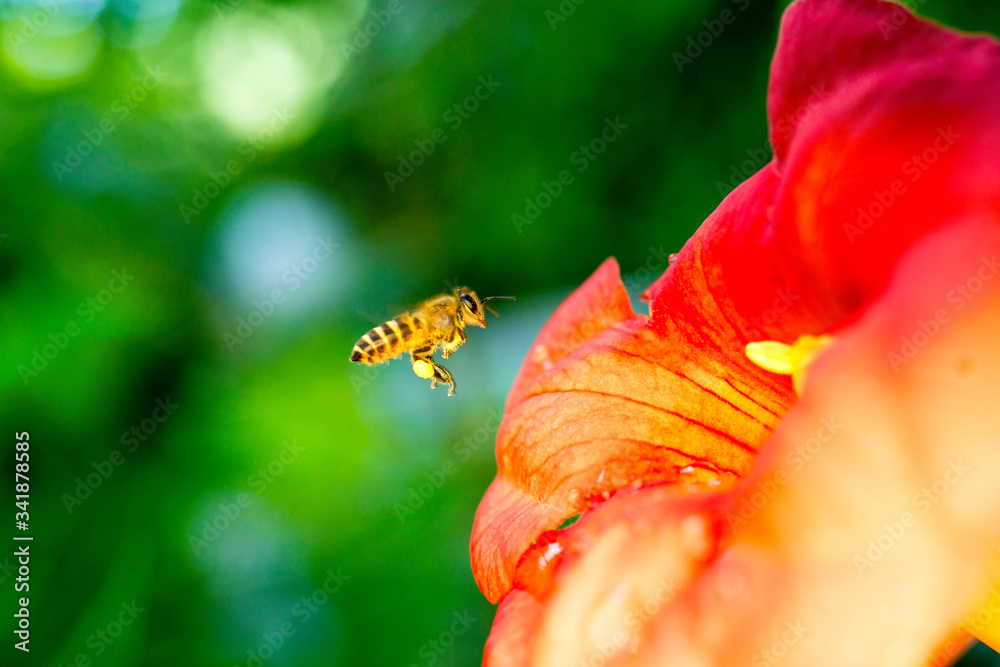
(440, 312)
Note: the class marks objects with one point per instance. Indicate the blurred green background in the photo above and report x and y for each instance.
(196, 224)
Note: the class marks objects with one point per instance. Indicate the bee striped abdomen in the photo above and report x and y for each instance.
(385, 341)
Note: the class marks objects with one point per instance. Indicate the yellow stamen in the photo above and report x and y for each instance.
(785, 359)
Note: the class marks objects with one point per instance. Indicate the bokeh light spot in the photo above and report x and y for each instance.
(284, 237)
(257, 66)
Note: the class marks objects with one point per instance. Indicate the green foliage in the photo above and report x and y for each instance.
(216, 145)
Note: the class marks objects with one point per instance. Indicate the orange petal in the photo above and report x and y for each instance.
(890, 130)
(630, 406)
(877, 492)
(864, 534)
(511, 640)
(600, 303)
(657, 538)
(628, 400)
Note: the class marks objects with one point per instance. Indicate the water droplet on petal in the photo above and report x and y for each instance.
(553, 550)
(671, 258)
(574, 496)
(687, 469)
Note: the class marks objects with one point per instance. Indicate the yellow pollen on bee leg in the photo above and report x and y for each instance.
(423, 369)
(785, 359)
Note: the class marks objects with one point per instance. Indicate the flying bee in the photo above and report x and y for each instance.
(439, 321)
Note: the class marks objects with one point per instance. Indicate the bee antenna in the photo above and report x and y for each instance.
(507, 298)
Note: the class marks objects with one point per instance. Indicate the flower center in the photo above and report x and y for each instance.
(785, 359)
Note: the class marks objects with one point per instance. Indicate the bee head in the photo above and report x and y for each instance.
(473, 310)
(471, 307)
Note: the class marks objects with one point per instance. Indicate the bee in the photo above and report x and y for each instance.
(437, 322)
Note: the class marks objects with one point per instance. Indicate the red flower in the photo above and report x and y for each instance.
(725, 519)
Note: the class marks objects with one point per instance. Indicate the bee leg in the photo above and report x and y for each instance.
(424, 366)
(456, 342)
(442, 375)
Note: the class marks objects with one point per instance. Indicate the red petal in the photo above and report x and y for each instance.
(861, 54)
(511, 639)
(893, 462)
(601, 302)
(641, 397)
(902, 137)
(624, 405)
(658, 539)
(884, 128)
(891, 509)
(734, 283)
